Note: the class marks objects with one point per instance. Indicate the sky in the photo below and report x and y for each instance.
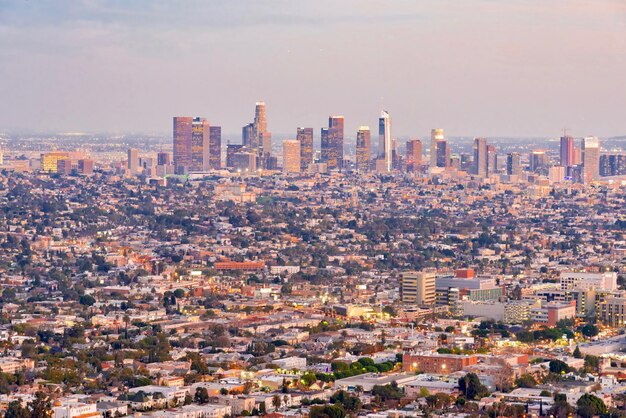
(473, 67)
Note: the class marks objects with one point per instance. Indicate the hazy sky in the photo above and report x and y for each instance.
(473, 67)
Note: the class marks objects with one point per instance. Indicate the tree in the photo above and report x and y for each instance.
(276, 402)
(471, 387)
(577, 353)
(589, 330)
(592, 362)
(526, 381)
(16, 410)
(590, 405)
(558, 367)
(188, 399)
(40, 407)
(201, 396)
(87, 300)
(327, 411)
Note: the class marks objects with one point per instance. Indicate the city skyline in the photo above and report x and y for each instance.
(509, 69)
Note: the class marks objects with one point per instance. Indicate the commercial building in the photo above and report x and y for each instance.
(480, 157)
(567, 151)
(437, 363)
(599, 281)
(513, 166)
(332, 143)
(436, 135)
(363, 149)
(591, 159)
(413, 154)
(552, 312)
(215, 147)
(182, 143)
(133, 160)
(291, 156)
(385, 144)
(199, 145)
(305, 136)
(418, 287)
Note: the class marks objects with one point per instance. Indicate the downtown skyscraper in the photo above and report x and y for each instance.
(363, 149)
(436, 135)
(215, 147)
(256, 137)
(481, 161)
(305, 136)
(191, 144)
(591, 159)
(567, 150)
(332, 143)
(385, 143)
(413, 154)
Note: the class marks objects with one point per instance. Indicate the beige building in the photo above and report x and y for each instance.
(291, 156)
(418, 287)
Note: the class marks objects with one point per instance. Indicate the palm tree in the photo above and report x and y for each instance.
(276, 402)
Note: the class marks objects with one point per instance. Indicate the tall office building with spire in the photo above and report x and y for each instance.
(436, 135)
(385, 143)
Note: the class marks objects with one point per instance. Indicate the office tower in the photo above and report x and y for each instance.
(305, 136)
(413, 154)
(133, 160)
(385, 144)
(363, 149)
(244, 162)
(613, 164)
(418, 287)
(538, 159)
(556, 174)
(199, 145)
(163, 158)
(182, 143)
(49, 160)
(480, 157)
(215, 147)
(567, 151)
(513, 166)
(591, 159)
(436, 135)
(247, 134)
(64, 166)
(231, 150)
(332, 143)
(578, 156)
(85, 166)
(443, 154)
(260, 122)
(492, 160)
(291, 156)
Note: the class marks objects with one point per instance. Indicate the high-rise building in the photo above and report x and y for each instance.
(200, 145)
(591, 159)
(613, 164)
(436, 135)
(305, 136)
(443, 154)
(133, 160)
(291, 156)
(363, 149)
(385, 143)
(556, 174)
(513, 165)
(567, 151)
(256, 137)
(85, 166)
(332, 143)
(163, 158)
(182, 143)
(215, 147)
(492, 160)
(480, 157)
(231, 150)
(413, 154)
(247, 136)
(49, 160)
(538, 159)
(418, 287)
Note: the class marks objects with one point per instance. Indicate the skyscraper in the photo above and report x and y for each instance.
(413, 154)
(480, 157)
(256, 137)
(492, 160)
(247, 134)
(163, 158)
(363, 149)
(513, 166)
(538, 159)
(133, 160)
(182, 143)
(291, 156)
(385, 144)
(443, 154)
(215, 147)
(199, 145)
(591, 159)
(567, 151)
(332, 143)
(435, 136)
(305, 136)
